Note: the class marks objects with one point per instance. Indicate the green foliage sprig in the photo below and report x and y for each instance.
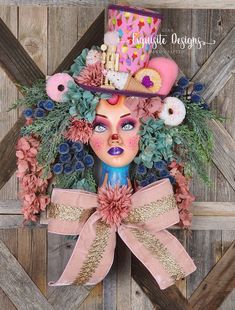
(32, 95)
(84, 181)
(50, 130)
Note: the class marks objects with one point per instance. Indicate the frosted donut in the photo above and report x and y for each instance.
(173, 112)
(149, 78)
(56, 86)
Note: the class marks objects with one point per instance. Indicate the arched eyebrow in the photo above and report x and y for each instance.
(125, 115)
(101, 115)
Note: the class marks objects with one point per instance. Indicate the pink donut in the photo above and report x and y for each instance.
(56, 86)
(168, 71)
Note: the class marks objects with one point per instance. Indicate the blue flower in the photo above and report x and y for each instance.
(141, 169)
(63, 148)
(195, 98)
(179, 89)
(68, 169)
(198, 87)
(65, 158)
(164, 173)
(183, 82)
(80, 155)
(79, 166)
(144, 183)
(28, 113)
(39, 113)
(88, 161)
(57, 168)
(160, 165)
(176, 94)
(77, 146)
(40, 104)
(151, 178)
(205, 106)
(48, 105)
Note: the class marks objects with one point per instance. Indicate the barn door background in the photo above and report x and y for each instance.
(48, 34)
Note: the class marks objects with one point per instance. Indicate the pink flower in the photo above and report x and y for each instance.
(144, 108)
(56, 86)
(114, 203)
(32, 187)
(91, 75)
(183, 196)
(79, 130)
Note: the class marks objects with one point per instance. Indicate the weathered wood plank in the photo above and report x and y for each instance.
(15, 60)
(139, 300)
(227, 238)
(25, 296)
(32, 255)
(213, 223)
(204, 247)
(11, 206)
(9, 237)
(7, 152)
(224, 152)
(69, 297)
(215, 64)
(218, 283)
(33, 34)
(123, 276)
(170, 298)
(90, 37)
(110, 287)
(187, 4)
(11, 221)
(211, 208)
(8, 94)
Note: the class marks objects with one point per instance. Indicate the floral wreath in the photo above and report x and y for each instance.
(53, 149)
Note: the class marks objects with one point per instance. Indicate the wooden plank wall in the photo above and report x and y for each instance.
(48, 34)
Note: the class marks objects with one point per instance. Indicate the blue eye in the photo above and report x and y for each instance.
(99, 128)
(127, 126)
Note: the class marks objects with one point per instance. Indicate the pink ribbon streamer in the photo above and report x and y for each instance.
(160, 252)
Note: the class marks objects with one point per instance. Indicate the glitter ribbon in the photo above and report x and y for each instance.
(143, 230)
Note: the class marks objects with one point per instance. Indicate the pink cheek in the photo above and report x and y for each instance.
(133, 142)
(97, 144)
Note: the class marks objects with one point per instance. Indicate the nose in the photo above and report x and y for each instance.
(115, 139)
(114, 136)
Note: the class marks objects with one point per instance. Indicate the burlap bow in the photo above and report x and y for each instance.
(74, 212)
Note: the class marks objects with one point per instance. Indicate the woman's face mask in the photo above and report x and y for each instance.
(115, 138)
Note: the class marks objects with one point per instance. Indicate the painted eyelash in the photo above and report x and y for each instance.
(128, 123)
(98, 124)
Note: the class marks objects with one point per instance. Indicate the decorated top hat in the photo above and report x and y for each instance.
(123, 65)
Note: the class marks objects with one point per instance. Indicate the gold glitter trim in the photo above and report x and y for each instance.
(160, 252)
(95, 253)
(148, 211)
(67, 213)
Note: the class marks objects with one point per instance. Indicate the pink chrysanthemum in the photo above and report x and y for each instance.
(91, 75)
(183, 196)
(79, 130)
(56, 86)
(114, 204)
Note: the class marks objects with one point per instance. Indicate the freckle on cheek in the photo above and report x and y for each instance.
(97, 144)
(133, 142)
